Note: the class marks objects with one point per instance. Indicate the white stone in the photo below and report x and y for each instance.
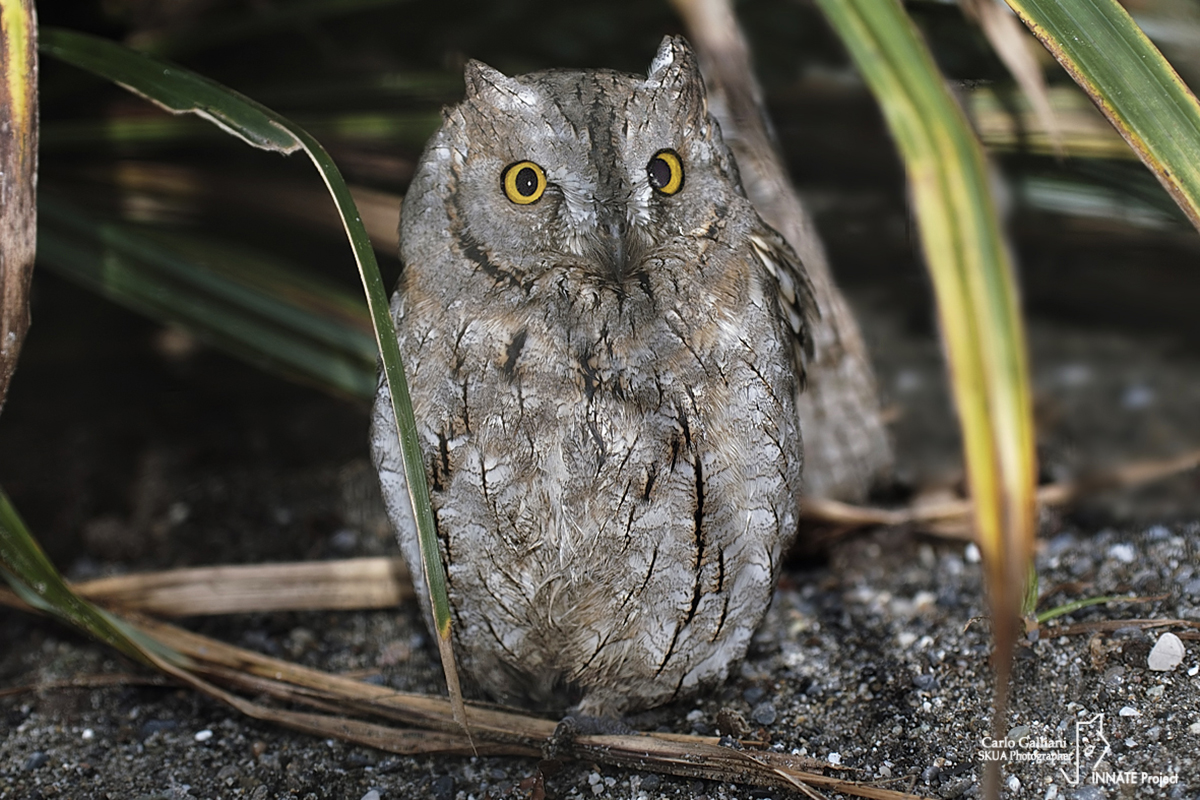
(1123, 552)
(203, 736)
(1167, 653)
(1129, 711)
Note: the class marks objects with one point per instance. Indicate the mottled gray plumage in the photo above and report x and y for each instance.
(605, 387)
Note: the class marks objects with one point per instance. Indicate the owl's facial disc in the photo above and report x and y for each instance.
(592, 172)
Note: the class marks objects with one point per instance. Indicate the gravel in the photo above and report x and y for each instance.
(874, 655)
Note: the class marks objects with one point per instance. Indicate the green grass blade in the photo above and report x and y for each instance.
(256, 307)
(29, 572)
(1106, 53)
(408, 128)
(171, 87)
(180, 91)
(976, 297)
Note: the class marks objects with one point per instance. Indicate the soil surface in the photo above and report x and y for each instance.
(136, 449)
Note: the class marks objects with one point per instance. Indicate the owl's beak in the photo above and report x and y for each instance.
(616, 246)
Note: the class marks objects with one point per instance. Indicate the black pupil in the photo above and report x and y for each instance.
(660, 172)
(527, 182)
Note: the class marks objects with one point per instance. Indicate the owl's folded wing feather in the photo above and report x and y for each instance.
(796, 298)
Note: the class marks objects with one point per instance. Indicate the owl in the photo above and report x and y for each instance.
(604, 345)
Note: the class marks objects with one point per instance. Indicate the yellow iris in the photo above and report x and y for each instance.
(665, 172)
(524, 182)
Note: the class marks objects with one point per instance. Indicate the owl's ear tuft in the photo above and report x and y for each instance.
(674, 64)
(488, 84)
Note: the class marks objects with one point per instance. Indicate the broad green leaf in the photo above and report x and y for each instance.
(181, 91)
(1133, 85)
(976, 298)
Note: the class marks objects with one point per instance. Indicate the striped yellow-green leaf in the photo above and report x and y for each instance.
(976, 296)
(180, 91)
(18, 172)
(1106, 53)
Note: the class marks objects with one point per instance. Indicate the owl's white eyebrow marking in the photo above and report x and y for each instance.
(579, 197)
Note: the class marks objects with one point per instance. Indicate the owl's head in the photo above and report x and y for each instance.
(596, 170)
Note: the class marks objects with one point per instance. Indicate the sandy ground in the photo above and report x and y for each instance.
(874, 655)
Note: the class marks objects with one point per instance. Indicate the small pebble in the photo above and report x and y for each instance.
(971, 554)
(372, 795)
(1155, 691)
(203, 736)
(1194, 671)
(1129, 711)
(1158, 533)
(1123, 552)
(754, 694)
(1167, 653)
(1139, 395)
(1014, 783)
(925, 682)
(36, 760)
(1194, 728)
(835, 759)
(88, 734)
(444, 788)
(764, 713)
(344, 540)
(153, 726)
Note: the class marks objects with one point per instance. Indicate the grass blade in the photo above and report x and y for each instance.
(354, 583)
(1010, 123)
(976, 299)
(1103, 49)
(256, 307)
(18, 177)
(1012, 44)
(34, 579)
(180, 91)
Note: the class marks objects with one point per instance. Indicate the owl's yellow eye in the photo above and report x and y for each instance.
(665, 171)
(524, 182)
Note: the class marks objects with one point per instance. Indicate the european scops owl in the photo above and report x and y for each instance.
(604, 345)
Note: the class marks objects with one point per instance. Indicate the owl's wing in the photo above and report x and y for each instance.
(796, 298)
